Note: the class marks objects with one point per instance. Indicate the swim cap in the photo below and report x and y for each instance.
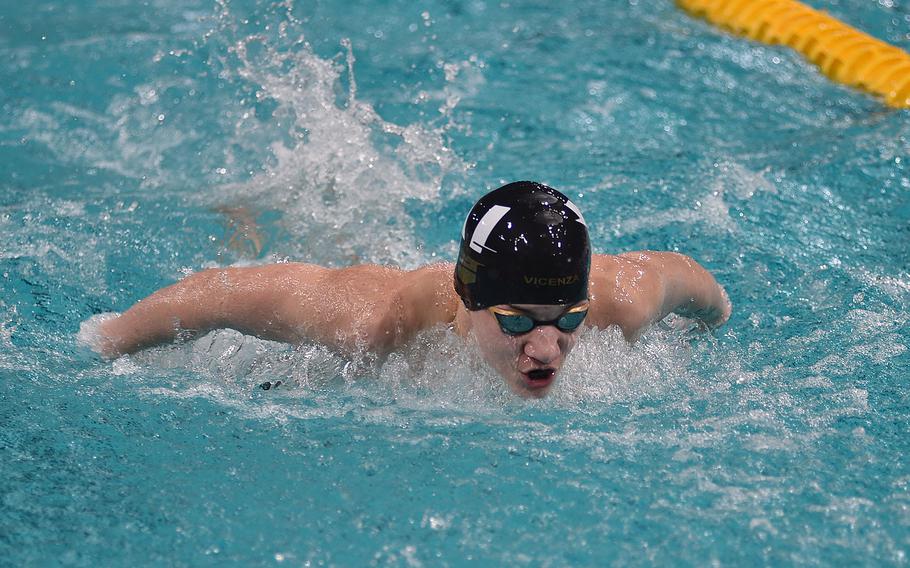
(524, 243)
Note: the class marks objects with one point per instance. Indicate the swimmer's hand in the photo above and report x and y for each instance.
(91, 334)
(703, 322)
(726, 308)
(710, 316)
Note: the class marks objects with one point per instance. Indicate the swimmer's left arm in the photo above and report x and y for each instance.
(689, 290)
(644, 287)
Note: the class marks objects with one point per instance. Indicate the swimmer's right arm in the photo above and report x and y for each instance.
(247, 299)
(364, 306)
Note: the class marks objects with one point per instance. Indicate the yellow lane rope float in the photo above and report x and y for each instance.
(843, 53)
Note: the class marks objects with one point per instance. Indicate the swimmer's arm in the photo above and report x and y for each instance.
(684, 287)
(246, 299)
(644, 287)
(360, 307)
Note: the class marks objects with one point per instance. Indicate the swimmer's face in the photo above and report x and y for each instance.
(528, 362)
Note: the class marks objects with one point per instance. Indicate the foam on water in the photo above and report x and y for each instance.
(436, 371)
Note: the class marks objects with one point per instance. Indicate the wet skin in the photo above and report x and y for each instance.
(381, 308)
(528, 362)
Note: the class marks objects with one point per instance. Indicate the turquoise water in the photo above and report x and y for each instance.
(363, 133)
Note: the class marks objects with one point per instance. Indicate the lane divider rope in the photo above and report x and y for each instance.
(841, 52)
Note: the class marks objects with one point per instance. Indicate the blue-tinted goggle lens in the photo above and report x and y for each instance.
(517, 324)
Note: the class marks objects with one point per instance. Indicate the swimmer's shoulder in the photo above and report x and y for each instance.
(623, 291)
(415, 300)
(429, 294)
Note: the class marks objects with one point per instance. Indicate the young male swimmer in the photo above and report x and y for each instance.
(525, 281)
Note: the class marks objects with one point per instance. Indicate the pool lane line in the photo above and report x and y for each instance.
(843, 53)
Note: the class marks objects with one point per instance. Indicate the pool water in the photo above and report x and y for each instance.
(363, 133)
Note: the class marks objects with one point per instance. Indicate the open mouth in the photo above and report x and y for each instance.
(539, 378)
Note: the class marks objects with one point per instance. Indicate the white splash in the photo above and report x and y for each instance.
(342, 176)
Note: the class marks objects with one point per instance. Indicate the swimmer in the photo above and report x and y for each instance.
(525, 284)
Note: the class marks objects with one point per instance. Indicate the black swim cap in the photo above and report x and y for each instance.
(524, 243)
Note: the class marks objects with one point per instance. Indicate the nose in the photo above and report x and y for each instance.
(542, 344)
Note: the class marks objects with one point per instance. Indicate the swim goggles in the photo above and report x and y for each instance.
(513, 322)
